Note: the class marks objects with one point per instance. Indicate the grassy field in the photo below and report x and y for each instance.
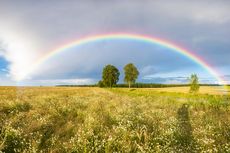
(215, 90)
(70, 119)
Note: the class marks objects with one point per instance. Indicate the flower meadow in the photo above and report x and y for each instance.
(90, 119)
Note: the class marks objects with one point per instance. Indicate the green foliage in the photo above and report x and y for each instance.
(194, 83)
(101, 84)
(131, 73)
(13, 141)
(110, 75)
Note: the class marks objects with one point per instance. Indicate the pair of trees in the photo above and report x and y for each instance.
(110, 75)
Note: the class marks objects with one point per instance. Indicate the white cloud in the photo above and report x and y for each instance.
(20, 49)
(53, 82)
(69, 81)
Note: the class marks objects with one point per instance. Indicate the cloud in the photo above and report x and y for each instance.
(176, 80)
(199, 12)
(30, 29)
(148, 70)
(18, 49)
(227, 78)
(77, 81)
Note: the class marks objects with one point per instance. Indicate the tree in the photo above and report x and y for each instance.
(194, 83)
(131, 73)
(110, 75)
(100, 84)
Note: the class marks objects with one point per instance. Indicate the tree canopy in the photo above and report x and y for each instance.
(110, 75)
(131, 73)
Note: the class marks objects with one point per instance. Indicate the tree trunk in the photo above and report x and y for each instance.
(129, 84)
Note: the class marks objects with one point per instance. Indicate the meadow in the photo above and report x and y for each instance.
(91, 119)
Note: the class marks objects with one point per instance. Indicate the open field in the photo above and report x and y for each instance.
(70, 119)
(213, 90)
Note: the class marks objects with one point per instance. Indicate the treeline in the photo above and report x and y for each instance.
(155, 85)
(140, 85)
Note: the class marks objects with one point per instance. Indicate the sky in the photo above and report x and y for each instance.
(29, 29)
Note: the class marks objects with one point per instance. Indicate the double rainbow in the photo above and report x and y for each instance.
(125, 36)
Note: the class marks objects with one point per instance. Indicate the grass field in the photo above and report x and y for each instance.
(215, 90)
(70, 119)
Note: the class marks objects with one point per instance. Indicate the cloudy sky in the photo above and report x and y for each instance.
(29, 29)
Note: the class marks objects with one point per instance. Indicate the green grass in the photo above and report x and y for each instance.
(62, 119)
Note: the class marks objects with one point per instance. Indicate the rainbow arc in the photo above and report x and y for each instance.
(121, 36)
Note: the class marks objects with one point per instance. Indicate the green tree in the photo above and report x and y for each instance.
(194, 83)
(131, 73)
(110, 75)
(101, 84)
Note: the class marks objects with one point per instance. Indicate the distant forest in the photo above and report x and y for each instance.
(140, 85)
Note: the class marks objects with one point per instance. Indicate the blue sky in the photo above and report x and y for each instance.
(30, 29)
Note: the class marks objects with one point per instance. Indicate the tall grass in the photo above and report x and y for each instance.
(62, 119)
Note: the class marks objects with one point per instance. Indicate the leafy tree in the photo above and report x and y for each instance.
(131, 73)
(194, 83)
(110, 75)
(101, 83)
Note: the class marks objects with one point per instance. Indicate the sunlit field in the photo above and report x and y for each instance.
(70, 119)
(213, 90)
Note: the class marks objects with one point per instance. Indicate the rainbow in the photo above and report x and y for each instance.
(120, 36)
